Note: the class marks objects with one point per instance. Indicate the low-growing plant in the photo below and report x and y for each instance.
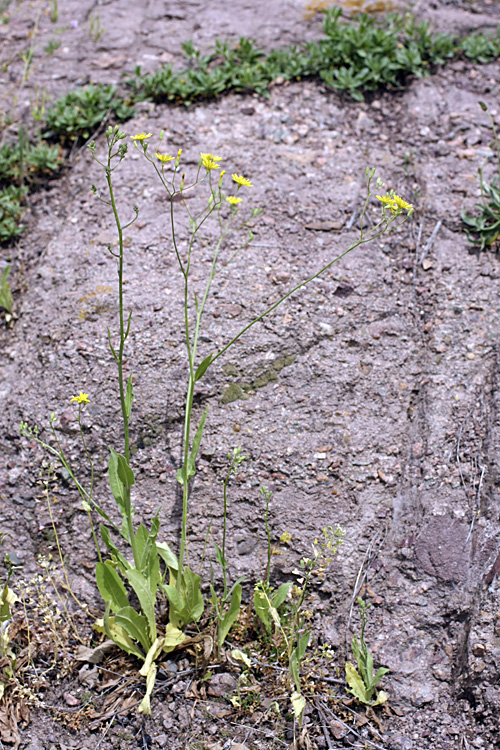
(291, 633)
(359, 55)
(79, 112)
(21, 161)
(11, 211)
(153, 571)
(363, 681)
(487, 223)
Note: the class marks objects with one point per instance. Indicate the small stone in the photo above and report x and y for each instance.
(221, 684)
(421, 695)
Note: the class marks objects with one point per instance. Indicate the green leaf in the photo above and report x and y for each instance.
(129, 396)
(231, 615)
(194, 598)
(117, 634)
(380, 673)
(121, 560)
(111, 586)
(280, 595)
(168, 557)
(117, 487)
(175, 601)
(261, 605)
(202, 368)
(185, 598)
(355, 682)
(196, 445)
(294, 666)
(302, 645)
(146, 599)
(135, 625)
(6, 300)
(125, 473)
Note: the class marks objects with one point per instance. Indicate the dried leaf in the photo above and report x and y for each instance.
(94, 655)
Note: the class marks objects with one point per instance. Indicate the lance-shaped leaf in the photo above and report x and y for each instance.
(191, 463)
(117, 634)
(121, 479)
(355, 682)
(168, 557)
(129, 396)
(146, 598)
(135, 625)
(106, 538)
(111, 586)
(231, 615)
(202, 368)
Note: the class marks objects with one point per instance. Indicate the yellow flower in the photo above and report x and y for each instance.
(164, 157)
(208, 162)
(221, 176)
(210, 156)
(141, 136)
(401, 203)
(233, 200)
(83, 398)
(388, 202)
(241, 180)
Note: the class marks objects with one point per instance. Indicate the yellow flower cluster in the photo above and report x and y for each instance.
(394, 203)
(141, 136)
(238, 178)
(83, 398)
(209, 161)
(164, 158)
(233, 200)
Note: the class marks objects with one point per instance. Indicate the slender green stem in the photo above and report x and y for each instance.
(385, 222)
(86, 450)
(224, 529)
(120, 302)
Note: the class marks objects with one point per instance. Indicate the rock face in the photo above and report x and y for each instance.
(371, 398)
(442, 550)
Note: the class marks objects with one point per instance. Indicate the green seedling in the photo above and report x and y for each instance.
(363, 681)
(95, 28)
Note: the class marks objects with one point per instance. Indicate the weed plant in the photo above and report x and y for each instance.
(363, 681)
(484, 229)
(78, 113)
(138, 570)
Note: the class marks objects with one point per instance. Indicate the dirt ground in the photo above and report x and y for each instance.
(385, 419)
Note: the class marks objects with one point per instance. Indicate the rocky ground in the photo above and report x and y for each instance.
(370, 399)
